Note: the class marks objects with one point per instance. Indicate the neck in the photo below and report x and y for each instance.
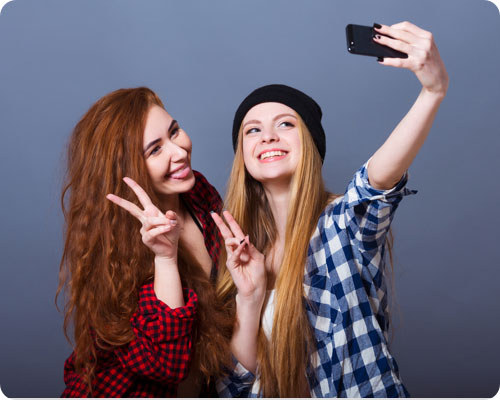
(278, 196)
(171, 202)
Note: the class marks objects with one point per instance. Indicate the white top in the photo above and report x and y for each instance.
(268, 314)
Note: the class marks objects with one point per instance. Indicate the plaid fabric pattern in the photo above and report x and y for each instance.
(203, 198)
(346, 299)
(158, 359)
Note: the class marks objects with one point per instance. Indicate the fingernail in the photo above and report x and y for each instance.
(377, 36)
(378, 26)
(212, 212)
(380, 59)
(242, 240)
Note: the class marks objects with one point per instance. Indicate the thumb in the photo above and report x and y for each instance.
(252, 250)
(172, 217)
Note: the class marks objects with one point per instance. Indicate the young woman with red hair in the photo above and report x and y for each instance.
(139, 275)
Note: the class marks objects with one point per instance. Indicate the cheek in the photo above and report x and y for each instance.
(153, 170)
(248, 149)
(149, 167)
(186, 143)
(248, 160)
(297, 146)
(295, 139)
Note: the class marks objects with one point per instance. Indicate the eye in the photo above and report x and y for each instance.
(252, 130)
(175, 132)
(286, 124)
(155, 150)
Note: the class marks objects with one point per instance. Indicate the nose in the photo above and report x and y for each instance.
(177, 153)
(269, 135)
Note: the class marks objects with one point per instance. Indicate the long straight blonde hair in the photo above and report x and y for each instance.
(282, 361)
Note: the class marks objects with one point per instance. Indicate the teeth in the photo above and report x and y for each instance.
(272, 154)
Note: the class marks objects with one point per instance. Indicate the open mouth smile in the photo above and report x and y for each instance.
(272, 155)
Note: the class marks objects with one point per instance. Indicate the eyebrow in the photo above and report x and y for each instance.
(255, 121)
(152, 143)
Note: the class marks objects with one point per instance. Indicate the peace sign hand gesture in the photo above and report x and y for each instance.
(160, 232)
(244, 262)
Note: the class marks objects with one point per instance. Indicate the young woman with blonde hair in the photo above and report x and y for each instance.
(305, 269)
(139, 275)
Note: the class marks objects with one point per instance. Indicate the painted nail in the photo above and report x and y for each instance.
(380, 59)
(378, 26)
(378, 36)
(242, 240)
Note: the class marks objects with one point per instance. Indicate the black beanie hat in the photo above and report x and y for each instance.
(304, 105)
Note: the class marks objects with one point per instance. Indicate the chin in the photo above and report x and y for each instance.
(183, 186)
(272, 171)
(269, 178)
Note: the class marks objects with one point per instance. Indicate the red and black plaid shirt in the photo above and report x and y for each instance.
(155, 362)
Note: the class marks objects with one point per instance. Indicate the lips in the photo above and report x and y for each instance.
(271, 155)
(179, 173)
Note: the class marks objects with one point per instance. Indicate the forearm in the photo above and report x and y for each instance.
(395, 156)
(163, 337)
(244, 340)
(167, 282)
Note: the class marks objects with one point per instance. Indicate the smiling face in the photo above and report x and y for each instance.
(167, 151)
(271, 142)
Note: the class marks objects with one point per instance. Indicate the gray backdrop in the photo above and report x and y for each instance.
(58, 57)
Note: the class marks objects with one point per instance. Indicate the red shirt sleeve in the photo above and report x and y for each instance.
(160, 352)
(74, 384)
(162, 348)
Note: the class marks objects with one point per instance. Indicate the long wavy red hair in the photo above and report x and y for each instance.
(104, 262)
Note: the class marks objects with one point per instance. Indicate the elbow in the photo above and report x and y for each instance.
(383, 183)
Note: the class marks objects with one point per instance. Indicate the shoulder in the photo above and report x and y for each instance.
(202, 185)
(199, 176)
(203, 194)
(333, 208)
(200, 180)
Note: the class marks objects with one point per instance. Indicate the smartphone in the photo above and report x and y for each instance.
(360, 41)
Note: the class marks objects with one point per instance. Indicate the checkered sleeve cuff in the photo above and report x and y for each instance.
(360, 190)
(237, 383)
(153, 315)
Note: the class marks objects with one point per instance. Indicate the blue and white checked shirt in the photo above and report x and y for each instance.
(347, 299)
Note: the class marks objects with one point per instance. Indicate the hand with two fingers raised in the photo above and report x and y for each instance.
(160, 232)
(423, 56)
(247, 268)
(245, 263)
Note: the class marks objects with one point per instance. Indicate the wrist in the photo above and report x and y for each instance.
(249, 305)
(247, 319)
(436, 95)
(166, 262)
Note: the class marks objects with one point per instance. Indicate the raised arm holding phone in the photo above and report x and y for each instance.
(305, 269)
